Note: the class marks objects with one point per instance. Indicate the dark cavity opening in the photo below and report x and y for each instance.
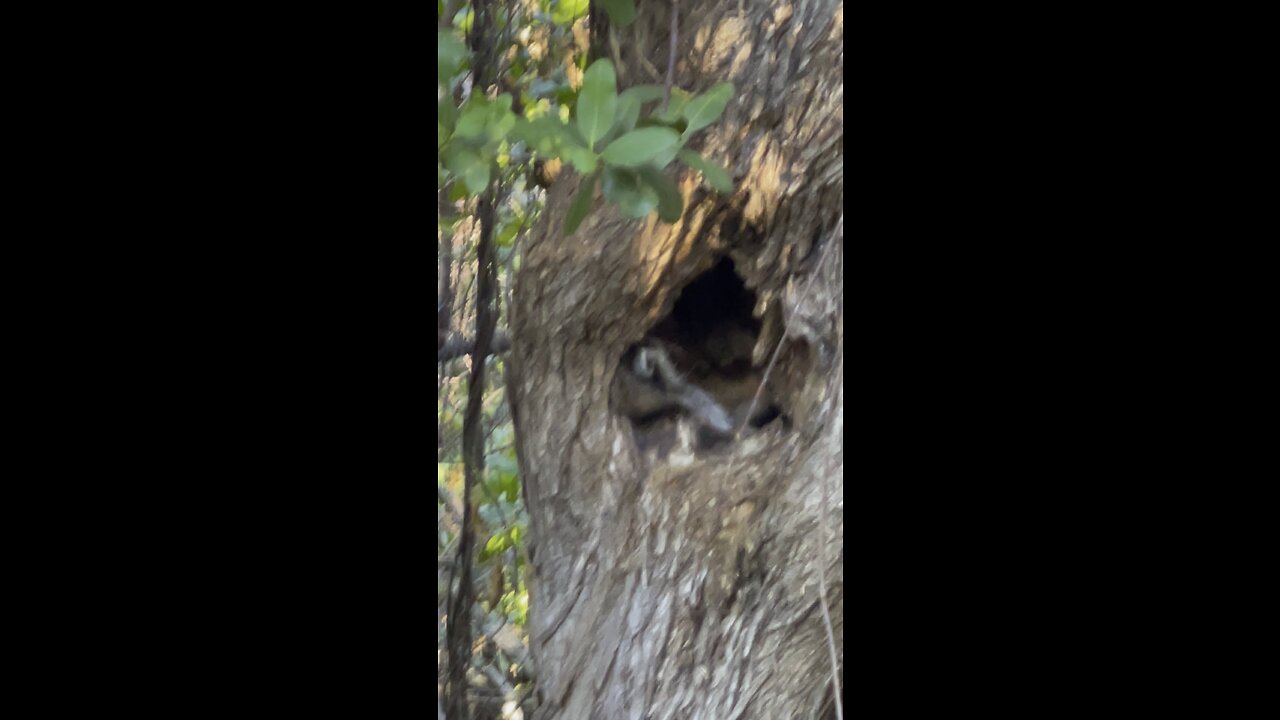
(705, 370)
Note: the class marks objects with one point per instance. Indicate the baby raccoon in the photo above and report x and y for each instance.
(648, 386)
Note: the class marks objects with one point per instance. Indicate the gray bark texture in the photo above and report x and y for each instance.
(687, 586)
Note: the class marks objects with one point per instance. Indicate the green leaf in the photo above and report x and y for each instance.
(597, 101)
(446, 112)
(477, 177)
(582, 159)
(465, 163)
(511, 487)
(508, 233)
(450, 52)
(457, 191)
(542, 135)
(633, 198)
(459, 158)
(670, 204)
(581, 205)
(535, 110)
(644, 93)
(465, 18)
(705, 108)
(638, 203)
(675, 105)
(614, 179)
(474, 117)
(639, 146)
(628, 113)
(621, 12)
(629, 104)
(501, 119)
(715, 175)
(665, 157)
(503, 126)
(495, 545)
(566, 11)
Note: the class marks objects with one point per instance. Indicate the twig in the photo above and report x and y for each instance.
(458, 635)
(671, 55)
(822, 597)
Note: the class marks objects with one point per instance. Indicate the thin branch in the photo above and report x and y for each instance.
(822, 536)
(671, 55)
(822, 597)
(458, 634)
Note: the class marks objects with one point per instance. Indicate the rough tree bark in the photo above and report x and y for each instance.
(688, 587)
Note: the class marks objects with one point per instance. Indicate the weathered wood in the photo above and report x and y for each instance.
(674, 589)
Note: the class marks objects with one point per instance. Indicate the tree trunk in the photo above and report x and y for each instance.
(682, 580)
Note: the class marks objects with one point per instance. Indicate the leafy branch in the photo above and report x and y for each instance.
(611, 142)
